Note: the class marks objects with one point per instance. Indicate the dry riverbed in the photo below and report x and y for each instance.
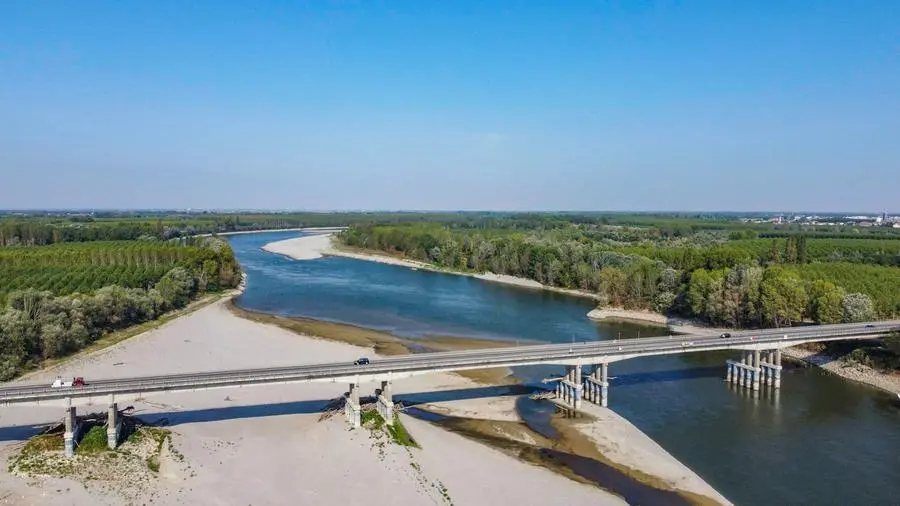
(272, 436)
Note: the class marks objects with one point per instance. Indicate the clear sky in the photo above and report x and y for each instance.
(628, 105)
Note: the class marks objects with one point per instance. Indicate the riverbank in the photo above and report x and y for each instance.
(848, 369)
(675, 325)
(229, 438)
(672, 478)
(312, 247)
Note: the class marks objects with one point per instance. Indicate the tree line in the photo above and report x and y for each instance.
(38, 324)
(84, 267)
(720, 284)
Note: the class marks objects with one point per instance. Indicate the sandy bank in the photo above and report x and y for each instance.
(312, 247)
(850, 370)
(231, 438)
(672, 324)
(623, 443)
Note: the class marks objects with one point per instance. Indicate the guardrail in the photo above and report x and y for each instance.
(448, 361)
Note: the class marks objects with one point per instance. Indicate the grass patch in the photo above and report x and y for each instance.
(372, 419)
(93, 441)
(400, 435)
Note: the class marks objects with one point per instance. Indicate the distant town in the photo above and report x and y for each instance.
(881, 220)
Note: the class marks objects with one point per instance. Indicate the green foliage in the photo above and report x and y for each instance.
(858, 308)
(737, 283)
(93, 441)
(43, 319)
(782, 297)
(826, 302)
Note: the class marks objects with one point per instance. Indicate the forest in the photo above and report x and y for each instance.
(45, 227)
(59, 299)
(714, 275)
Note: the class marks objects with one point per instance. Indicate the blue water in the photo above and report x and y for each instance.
(822, 440)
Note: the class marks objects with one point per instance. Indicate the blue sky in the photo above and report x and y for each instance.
(629, 105)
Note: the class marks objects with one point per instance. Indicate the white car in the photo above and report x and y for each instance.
(59, 383)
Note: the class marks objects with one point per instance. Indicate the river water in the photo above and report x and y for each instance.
(820, 441)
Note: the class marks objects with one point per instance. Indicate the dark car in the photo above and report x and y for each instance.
(870, 326)
(725, 335)
(361, 361)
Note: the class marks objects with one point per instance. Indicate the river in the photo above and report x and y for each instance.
(821, 440)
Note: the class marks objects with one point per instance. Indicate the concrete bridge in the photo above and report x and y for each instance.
(760, 365)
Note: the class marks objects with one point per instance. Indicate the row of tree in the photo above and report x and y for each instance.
(36, 324)
(70, 268)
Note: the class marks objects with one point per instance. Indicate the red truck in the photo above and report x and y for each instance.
(77, 381)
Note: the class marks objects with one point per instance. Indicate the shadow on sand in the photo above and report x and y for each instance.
(174, 418)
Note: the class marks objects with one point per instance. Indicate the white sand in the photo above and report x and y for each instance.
(622, 442)
(264, 445)
(673, 324)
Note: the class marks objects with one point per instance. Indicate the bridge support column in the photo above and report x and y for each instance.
(386, 403)
(113, 424)
(756, 369)
(742, 369)
(778, 368)
(70, 437)
(729, 371)
(604, 384)
(351, 406)
(578, 394)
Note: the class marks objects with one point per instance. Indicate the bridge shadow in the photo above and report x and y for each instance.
(222, 413)
(174, 418)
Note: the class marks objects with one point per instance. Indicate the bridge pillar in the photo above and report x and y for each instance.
(386, 403)
(741, 370)
(778, 368)
(70, 437)
(577, 382)
(113, 424)
(604, 384)
(351, 406)
(729, 371)
(755, 371)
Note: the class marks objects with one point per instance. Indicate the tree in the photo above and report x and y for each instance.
(801, 249)
(790, 250)
(858, 307)
(782, 297)
(825, 302)
(774, 255)
(612, 285)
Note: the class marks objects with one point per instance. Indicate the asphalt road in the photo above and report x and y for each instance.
(587, 352)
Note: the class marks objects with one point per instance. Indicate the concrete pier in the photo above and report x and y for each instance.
(577, 395)
(70, 437)
(755, 370)
(596, 385)
(386, 403)
(351, 406)
(113, 424)
(604, 384)
(778, 368)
